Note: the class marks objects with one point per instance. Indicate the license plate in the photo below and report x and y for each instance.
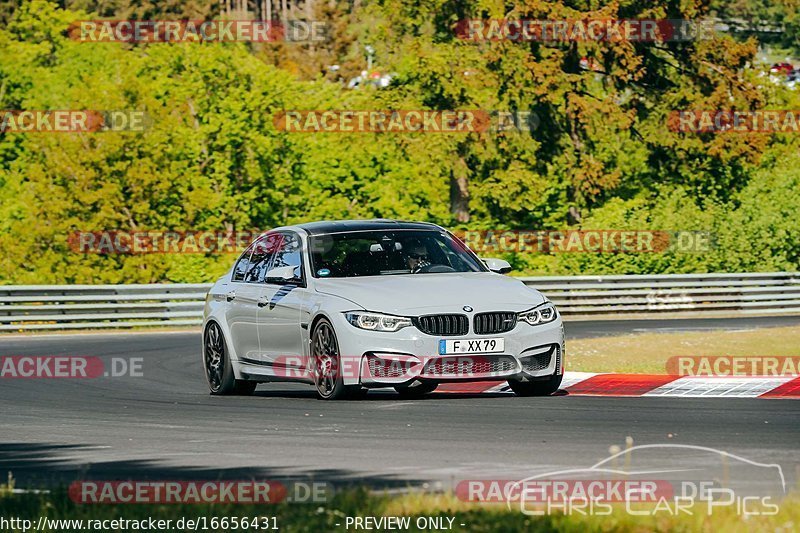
(450, 347)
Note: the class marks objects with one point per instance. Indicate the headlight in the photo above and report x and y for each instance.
(377, 322)
(540, 315)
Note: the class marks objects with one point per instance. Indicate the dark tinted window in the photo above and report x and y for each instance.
(241, 265)
(263, 252)
(289, 254)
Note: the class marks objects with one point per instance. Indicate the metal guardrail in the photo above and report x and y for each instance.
(760, 293)
(63, 307)
(60, 307)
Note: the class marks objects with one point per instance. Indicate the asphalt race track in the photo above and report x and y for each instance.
(164, 424)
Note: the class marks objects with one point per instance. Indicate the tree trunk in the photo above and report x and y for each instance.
(459, 191)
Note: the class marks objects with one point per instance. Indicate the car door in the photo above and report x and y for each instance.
(246, 291)
(279, 316)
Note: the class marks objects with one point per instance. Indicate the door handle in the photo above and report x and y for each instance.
(262, 302)
(230, 296)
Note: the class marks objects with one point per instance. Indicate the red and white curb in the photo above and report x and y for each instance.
(655, 385)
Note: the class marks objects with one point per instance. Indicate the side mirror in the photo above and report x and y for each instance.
(501, 266)
(282, 274)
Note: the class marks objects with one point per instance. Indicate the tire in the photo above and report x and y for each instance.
(217, 365)
(536, 388)
(326, 361)
(417, 391)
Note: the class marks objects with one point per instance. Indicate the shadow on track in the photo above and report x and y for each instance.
(43, 465)
(389, 395)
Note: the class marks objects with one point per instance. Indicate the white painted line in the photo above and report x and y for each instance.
(573, 378)
(720, 387)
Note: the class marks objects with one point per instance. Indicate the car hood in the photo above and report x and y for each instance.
(417, 294)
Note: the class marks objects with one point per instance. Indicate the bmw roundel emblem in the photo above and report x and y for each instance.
(467, 308)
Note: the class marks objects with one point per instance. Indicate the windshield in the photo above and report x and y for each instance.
(384, 253)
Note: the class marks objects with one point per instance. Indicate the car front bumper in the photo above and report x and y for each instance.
(385, 359)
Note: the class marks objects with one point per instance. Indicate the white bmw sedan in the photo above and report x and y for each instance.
(353, 305)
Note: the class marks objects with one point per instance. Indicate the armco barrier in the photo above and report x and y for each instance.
(54, 307)
(764, 293)
(60, 307)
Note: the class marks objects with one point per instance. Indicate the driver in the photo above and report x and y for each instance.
(417, 257)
